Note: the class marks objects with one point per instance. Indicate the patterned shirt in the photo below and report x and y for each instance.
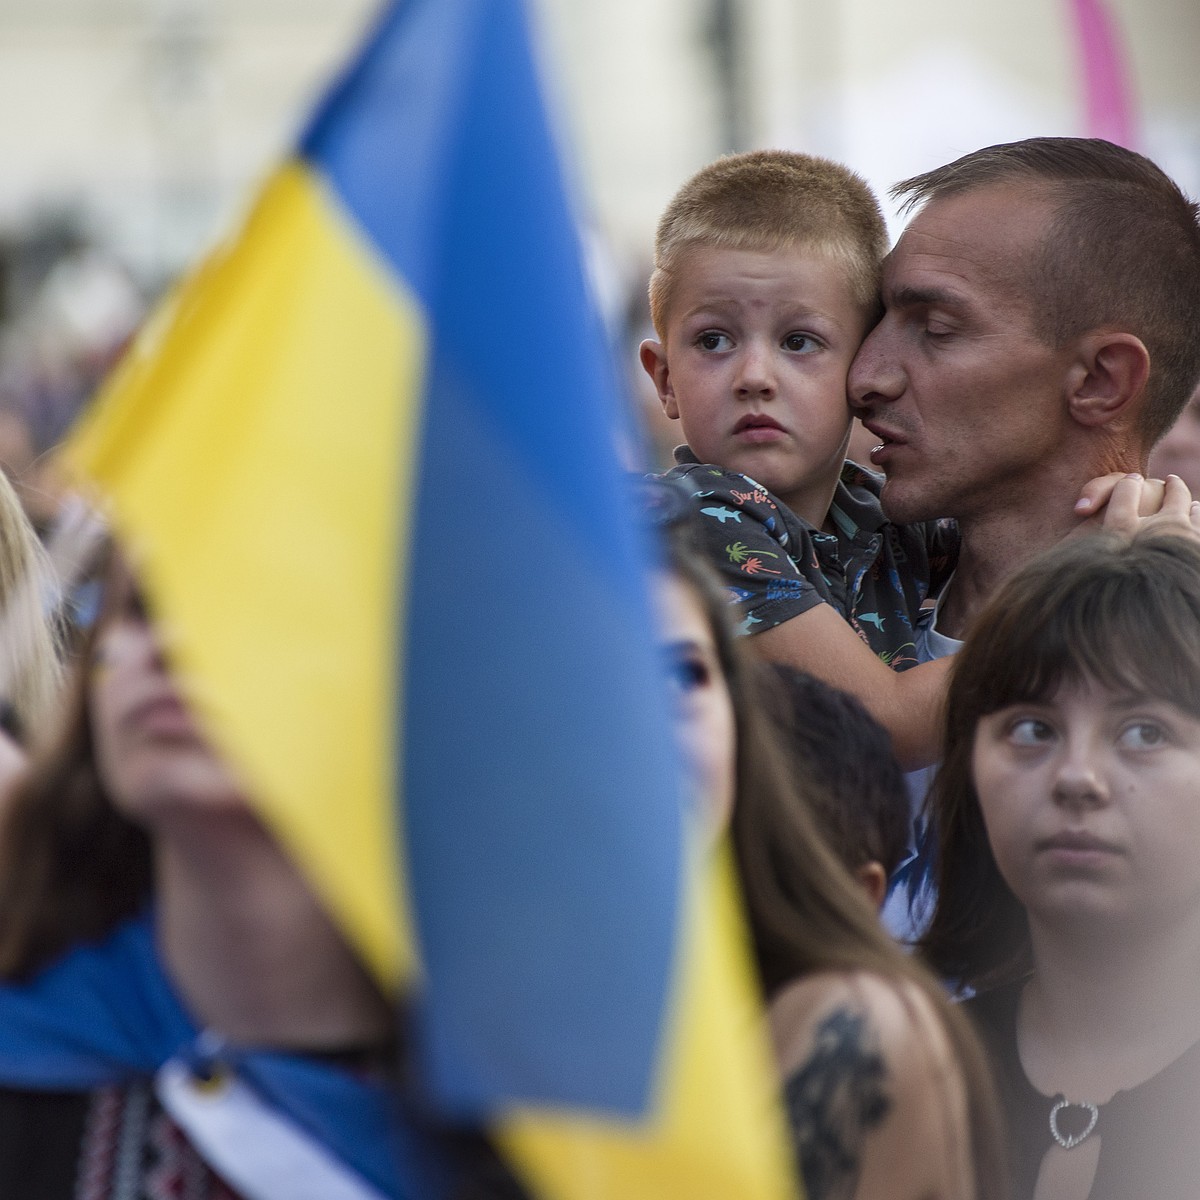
(115, 1143)
(775, 565)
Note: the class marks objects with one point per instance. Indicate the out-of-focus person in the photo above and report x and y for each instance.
(30, 662)
(885, 1088)
(159, 952)
(1179, 451)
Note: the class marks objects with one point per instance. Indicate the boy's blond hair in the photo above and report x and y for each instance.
(769, 200)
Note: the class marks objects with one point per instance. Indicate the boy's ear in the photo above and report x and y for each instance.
(654, 362)
(1108, 378)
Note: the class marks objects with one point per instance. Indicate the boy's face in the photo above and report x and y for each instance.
(753, 365)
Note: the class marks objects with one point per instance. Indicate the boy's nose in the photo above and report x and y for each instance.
(756, 375)
(875, 374)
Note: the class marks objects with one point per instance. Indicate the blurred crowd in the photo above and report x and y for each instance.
(928, 594)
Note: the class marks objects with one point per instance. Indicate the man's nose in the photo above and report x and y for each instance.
(876, 375)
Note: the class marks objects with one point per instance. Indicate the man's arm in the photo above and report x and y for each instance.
(908, 704)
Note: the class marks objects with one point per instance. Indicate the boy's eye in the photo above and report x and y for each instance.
(1029, 731)
(800, 343)
(710, 339)
(1142, 735)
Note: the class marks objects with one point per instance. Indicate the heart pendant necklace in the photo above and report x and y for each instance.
(1069, 1141)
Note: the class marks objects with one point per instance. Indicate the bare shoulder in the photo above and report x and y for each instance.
(901, 1019)
(874, 1095)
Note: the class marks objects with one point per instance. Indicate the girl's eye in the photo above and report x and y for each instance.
(687, 673)
(1029, 731)
(1142, 735)
(800, 343)
(710, 339)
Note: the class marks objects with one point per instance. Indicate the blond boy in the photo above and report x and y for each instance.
(766, 281)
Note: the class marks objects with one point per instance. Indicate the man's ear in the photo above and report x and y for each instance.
(1107, 380)
(654, 362)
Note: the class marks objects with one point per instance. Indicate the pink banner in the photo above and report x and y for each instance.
(1108, 97)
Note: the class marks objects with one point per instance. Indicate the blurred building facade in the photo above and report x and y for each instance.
(134, 130)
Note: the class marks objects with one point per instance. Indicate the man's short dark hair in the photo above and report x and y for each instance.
(1122, 252)
(862, 804)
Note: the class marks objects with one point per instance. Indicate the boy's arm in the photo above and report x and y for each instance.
(763, 556)
(908, 704)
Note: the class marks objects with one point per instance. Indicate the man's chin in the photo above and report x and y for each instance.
(904, 504)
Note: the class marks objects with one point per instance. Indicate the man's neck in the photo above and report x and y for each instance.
(990, 552)
(1000, 539)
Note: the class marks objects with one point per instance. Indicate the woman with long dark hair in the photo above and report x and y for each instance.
(1068, 806)
(159, 952)
(884, 1083)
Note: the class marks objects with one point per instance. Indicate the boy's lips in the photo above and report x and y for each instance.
(757, 427)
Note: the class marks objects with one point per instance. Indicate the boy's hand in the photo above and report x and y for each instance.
(1127, 504)
(1098, 492)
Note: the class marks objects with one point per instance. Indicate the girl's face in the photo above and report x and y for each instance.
(150, 754)
(703, 708)
(1092, 805)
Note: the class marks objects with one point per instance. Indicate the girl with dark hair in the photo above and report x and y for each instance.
(1068, 807)
(885, 1086)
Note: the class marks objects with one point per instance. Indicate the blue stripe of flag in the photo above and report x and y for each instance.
(539, 784)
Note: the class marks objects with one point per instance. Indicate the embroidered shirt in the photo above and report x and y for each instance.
(112, 1144)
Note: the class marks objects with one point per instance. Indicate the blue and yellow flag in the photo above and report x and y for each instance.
(365, 460)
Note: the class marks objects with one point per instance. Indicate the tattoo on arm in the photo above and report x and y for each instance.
(834, 1100)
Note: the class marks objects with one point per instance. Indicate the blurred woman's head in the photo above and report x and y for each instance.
(30, 670)
(1096, 626)
(75, 855)
(150, 758)
(700, 670)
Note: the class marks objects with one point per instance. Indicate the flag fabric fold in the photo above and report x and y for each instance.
(365, 459)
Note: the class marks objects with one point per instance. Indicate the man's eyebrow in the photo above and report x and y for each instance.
(916, 297)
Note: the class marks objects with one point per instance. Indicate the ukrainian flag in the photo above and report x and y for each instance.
(364, 458)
